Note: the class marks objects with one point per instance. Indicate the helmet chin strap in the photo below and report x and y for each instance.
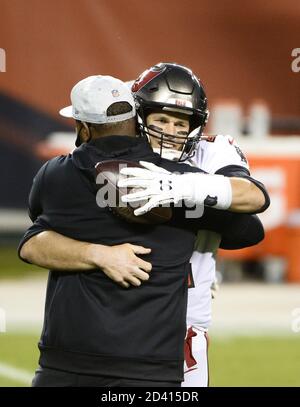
(194, 132)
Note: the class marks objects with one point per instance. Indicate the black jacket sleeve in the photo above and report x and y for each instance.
(35, 207)
(238, 230)
(244, 231)
(37, 227)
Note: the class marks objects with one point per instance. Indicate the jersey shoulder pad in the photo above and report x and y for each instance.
(218, 151)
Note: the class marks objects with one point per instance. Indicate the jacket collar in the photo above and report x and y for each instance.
(89, 154)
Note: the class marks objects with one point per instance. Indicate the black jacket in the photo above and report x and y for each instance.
(92, 325)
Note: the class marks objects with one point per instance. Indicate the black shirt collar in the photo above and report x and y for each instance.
(115, 146)
(89, 154)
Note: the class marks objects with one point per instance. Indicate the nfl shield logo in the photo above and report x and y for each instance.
(115, 93)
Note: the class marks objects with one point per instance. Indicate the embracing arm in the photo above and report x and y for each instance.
(246, 196)
(42, 246)
(53, 251)
(120, 263)
(234, 190)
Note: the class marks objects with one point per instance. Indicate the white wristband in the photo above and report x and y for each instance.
(213, 190)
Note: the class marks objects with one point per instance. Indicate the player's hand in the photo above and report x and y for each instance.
(157, 183)
(160, 187)
(122, 265)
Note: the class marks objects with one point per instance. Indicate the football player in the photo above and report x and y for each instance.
(172, 108)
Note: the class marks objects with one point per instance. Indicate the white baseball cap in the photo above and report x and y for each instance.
(92, 96)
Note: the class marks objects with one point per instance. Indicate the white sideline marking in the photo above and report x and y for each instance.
(14, 373)
(2, 320)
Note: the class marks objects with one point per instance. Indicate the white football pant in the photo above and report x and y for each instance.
(196, 360)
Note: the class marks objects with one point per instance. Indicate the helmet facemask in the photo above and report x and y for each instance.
(167, 88)
(176, 147)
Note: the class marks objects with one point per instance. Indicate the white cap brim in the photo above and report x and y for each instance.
(66, 111)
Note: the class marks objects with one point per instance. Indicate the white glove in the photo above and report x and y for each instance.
(163, 187)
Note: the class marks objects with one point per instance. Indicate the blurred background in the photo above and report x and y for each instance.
(247, 54)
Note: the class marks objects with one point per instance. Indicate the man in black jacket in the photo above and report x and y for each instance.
(96, 332)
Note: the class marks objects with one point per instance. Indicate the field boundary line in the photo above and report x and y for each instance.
(14, 373)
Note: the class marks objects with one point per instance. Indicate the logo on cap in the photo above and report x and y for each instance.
(115, 93)
(180, 102)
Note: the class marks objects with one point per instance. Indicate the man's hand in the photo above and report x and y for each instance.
(121, 264)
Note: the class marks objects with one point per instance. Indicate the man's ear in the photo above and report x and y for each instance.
(83, 132)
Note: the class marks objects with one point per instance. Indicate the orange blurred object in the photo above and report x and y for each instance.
(279, 169)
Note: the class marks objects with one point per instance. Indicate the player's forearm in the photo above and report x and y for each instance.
(246, 196)
(57, 252)
(235, 194)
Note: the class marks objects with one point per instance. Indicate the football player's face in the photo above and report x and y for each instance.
(175, 125)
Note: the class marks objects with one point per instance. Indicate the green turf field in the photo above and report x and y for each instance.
(13, 267)
(264, 361)
(233, 361)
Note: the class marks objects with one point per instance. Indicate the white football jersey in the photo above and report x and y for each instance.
(212, 154)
